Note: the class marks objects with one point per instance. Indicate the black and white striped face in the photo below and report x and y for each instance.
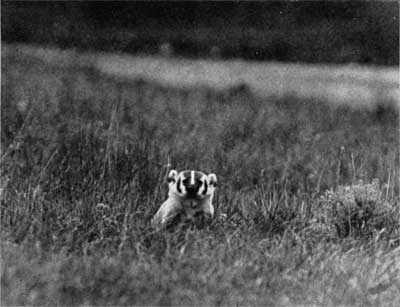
(192, 184)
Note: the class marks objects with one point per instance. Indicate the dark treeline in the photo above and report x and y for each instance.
(364, 32)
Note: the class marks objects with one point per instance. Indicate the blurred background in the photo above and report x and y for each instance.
(328, 32)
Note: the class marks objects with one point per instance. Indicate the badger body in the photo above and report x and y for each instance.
(189, 193)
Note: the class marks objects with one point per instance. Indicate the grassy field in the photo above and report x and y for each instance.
(336, 84)
(310, 191)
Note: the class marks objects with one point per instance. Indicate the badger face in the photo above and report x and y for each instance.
(192, 184)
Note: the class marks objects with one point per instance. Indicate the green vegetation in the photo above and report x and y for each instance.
(84, 157)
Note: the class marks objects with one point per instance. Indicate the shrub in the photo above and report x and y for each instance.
(359, 210)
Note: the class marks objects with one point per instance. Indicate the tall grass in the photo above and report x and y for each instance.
(83, 162)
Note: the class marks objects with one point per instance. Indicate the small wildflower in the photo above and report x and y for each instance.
(37, 191)
(101, 206)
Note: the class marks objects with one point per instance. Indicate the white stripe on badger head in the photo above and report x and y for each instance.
(192, 182)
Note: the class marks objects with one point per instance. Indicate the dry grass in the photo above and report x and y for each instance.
(83, 160)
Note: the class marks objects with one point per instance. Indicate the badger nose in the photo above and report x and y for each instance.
(191, 189)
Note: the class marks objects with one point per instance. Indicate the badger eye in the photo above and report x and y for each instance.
(205, 187)
(178, 185)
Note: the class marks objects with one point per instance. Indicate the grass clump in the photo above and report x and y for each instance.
(360, 210)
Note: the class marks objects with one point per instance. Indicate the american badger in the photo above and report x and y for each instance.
(190, 193)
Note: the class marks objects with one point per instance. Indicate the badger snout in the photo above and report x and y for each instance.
(192, 190)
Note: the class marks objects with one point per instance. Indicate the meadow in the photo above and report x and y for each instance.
(309, 190)
(335, 84)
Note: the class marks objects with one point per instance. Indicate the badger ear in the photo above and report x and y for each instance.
(213, 179)
(172, 176)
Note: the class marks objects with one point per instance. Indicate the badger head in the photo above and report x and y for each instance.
(191, 184)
